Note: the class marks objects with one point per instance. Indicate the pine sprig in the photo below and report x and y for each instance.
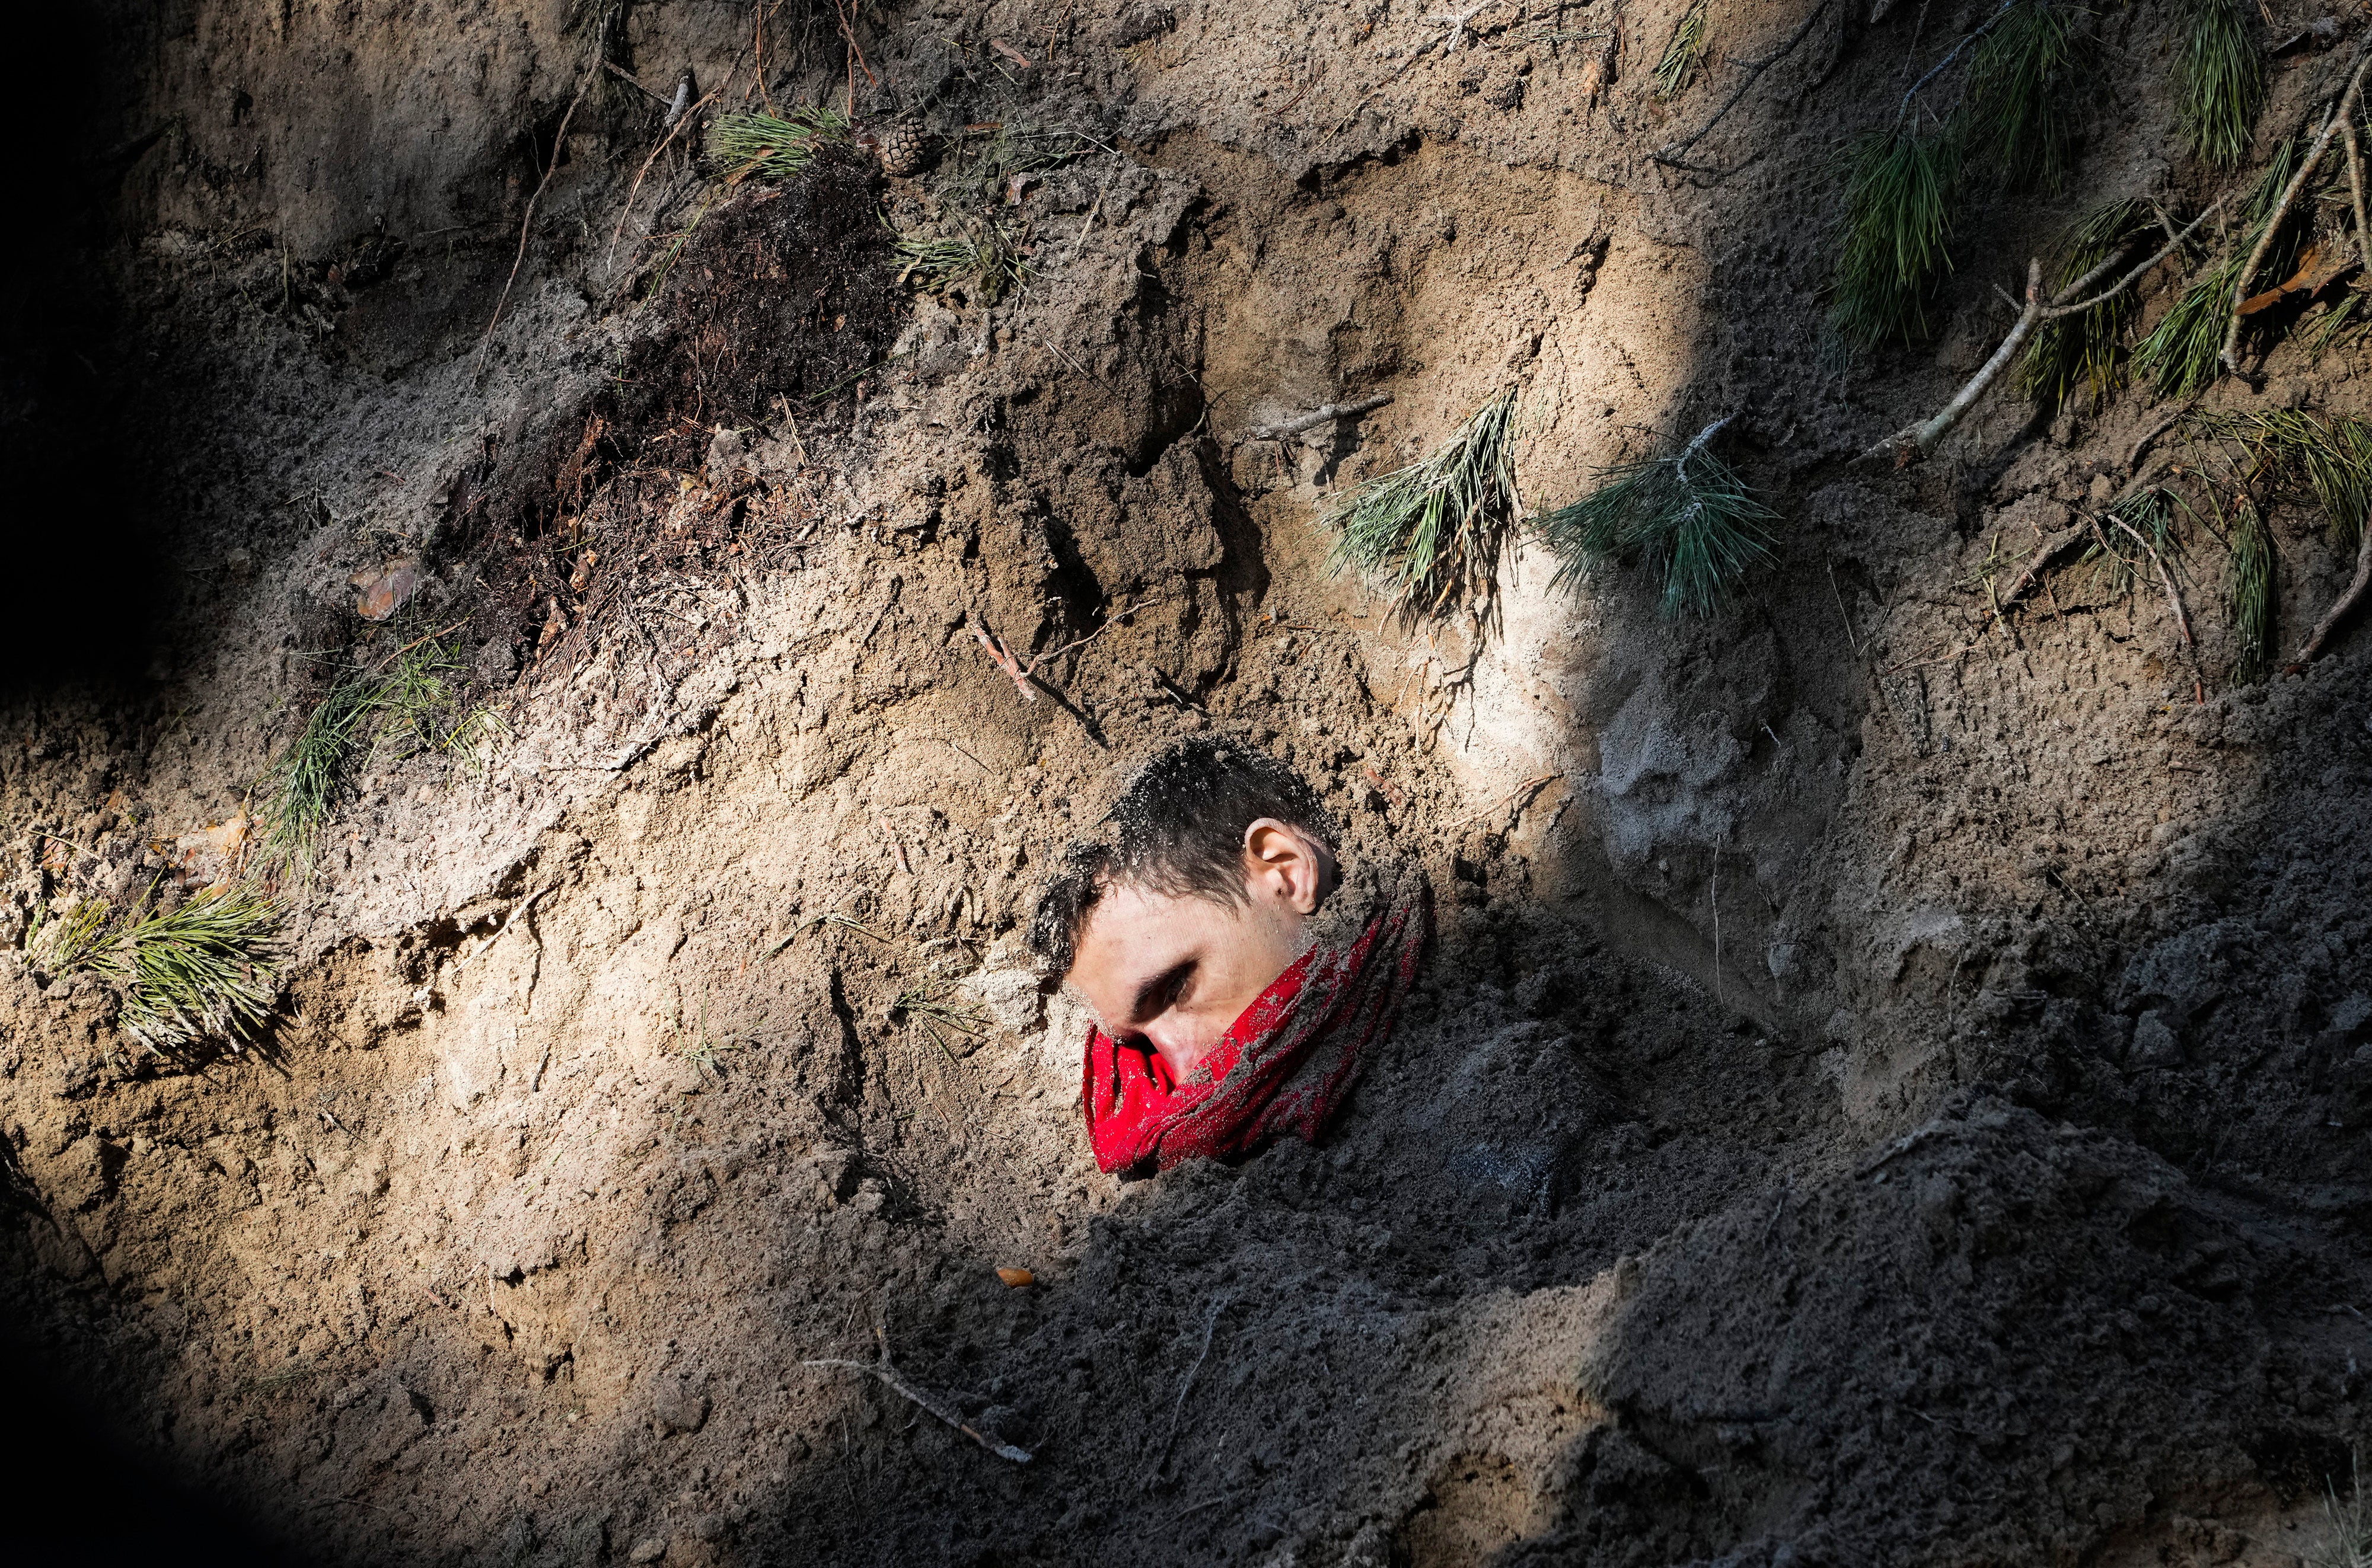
(1428, 537)
(1688, 515)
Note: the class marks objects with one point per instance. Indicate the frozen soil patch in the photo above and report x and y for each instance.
(1869, 1103)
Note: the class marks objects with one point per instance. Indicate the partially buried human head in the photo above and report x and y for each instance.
(1199, 898)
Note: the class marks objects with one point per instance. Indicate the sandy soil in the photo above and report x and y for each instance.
(1867, 1105)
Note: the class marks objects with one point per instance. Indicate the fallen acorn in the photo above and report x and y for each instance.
(1016, 1278)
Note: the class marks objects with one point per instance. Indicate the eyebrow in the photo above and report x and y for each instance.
(1152, 987)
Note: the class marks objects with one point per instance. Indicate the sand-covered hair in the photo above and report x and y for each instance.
(1177, 828)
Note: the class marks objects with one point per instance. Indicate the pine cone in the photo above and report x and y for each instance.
(904, 149)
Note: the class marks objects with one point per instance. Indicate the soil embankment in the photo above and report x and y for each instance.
(1882, 1095)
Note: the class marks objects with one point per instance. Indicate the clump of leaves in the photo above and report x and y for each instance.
(1688, 514)
(2019, 104)
(209, 968)
(1898, 224)
(1682, 54)
(975, 257)
(407, 704)
(773, 146)
(2083, 350)
(2182, 354)
(1428, 536)
(2221, 77)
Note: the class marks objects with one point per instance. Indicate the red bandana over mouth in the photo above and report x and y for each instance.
(1285, 1066)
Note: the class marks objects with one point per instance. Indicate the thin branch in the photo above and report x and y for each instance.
(1311, 421)
(2338, 613)
(2165, 581)
(1671, 154)
(2340, 115)
(636, 189)
(1915, 441)
(996, 650)
(1110, 621)
(1920, 86)
(888, 1377)
(1210, 1326)
(1521, 792)
(2356, 187)
(559, 146)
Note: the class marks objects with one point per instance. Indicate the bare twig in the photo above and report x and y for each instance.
(2341, 114)
(2355, 188)
(1909, 443)
(636, 189)
(1210, 1326)
(996, 650)
(1938, 69)
(1110, 621)
(1671, 154)
(625, 76)
(2174, 603)
(559, 146)
(2134, 453)
(888, 1376)
(1313, 420)
(2338, 611)
(1521, 792)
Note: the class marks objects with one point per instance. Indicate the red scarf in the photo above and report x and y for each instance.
(1285, 1066)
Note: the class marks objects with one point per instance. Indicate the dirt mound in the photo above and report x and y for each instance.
(1882, 1093)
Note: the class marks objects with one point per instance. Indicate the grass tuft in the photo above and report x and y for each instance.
(2221, 78)
(1689, 516)
(2350, 1544)
(940, 1012)
(2083, 350)
(773, 146)
(1683, 53)
(2020, 104)
(1428, 536)
(1898, 222)
(406, 704)
(209, 968)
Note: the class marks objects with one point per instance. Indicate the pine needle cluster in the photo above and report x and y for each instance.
(2324, 460)
(2221, 78)
(2083, 350)
(2014, 122)
(774, 147)
(2018, 111)
(2249, 583)
(408, 703)
(975, 257)
(1686, 515)
(209, 968)
(1428, 536)
(1899, 202)
(1683, 53)
(2182, 354)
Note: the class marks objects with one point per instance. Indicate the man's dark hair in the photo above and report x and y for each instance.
(1177, 829)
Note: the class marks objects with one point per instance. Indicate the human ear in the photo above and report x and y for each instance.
(1280, 858)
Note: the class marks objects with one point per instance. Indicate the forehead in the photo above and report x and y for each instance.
(1132, 934)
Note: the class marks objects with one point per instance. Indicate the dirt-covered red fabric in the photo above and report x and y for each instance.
(1286, 1065)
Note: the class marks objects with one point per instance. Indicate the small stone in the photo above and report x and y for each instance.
(677, 1407)
(650, 1548)
(709, 1527)
(2154, 1044)
(872, 1196)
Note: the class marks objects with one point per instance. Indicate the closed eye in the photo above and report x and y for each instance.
(1161, 992)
